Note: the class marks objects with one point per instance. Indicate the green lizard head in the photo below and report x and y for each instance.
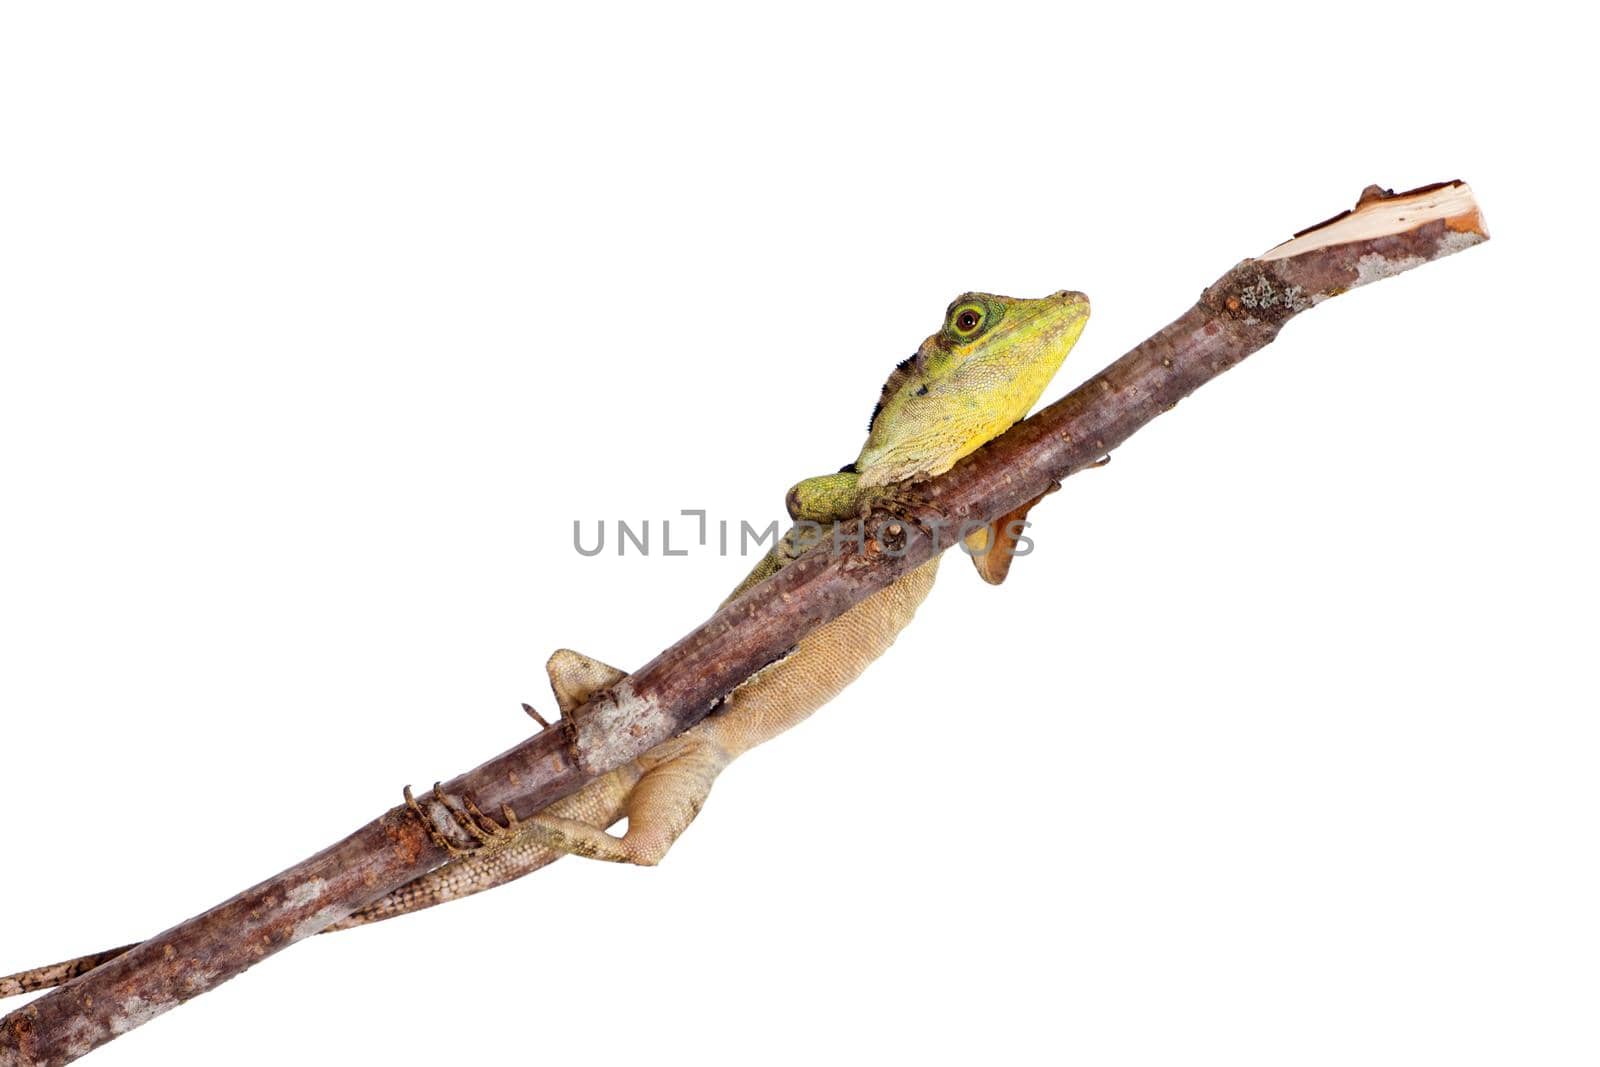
(968, 383)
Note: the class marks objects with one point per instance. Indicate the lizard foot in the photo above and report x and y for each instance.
(900, 500)
(676, 778)
(578, 838)
(888, 512)
(482, 828)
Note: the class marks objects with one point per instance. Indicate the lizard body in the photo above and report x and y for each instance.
(967, 383)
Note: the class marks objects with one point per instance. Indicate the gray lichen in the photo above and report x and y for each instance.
(1375, 266)
(135, 1011)
(1265, 293)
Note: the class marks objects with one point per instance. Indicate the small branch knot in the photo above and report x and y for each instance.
(1372, 194)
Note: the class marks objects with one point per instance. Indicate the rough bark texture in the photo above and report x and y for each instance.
(1234, 317)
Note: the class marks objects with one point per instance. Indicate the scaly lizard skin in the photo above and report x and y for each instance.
(966, 384)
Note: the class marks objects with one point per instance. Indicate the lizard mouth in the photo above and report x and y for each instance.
(1062, 312)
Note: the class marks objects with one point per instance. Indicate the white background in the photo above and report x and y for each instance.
(321, 323)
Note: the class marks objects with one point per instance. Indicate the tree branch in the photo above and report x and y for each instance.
(1240, 313)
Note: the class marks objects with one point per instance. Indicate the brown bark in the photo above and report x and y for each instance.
(1237, 315)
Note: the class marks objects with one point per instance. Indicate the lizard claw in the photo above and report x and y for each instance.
(897, 506)
(489, 833)
(483, 829)
(428, 824)
(544, 724)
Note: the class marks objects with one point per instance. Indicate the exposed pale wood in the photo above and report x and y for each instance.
(1380, 212)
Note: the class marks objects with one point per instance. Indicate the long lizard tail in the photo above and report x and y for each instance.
(453, 881)
(450, 882)
(55, 974)
(601, 801)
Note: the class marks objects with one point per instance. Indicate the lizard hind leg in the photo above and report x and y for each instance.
(677, 778)
(674, 779)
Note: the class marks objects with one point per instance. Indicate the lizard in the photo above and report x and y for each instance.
(968, 382)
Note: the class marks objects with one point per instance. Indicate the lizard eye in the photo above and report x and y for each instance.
(967, 321)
